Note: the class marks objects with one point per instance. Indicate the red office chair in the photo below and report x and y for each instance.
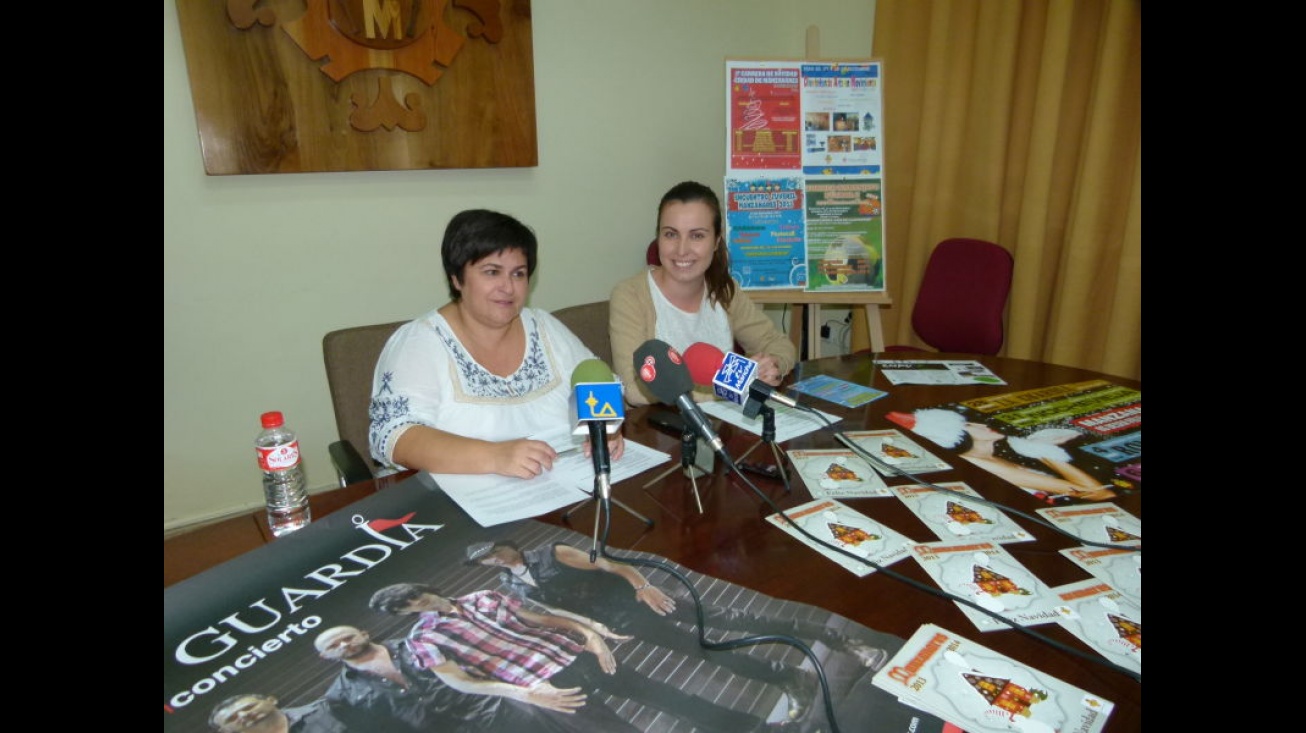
(962, 297)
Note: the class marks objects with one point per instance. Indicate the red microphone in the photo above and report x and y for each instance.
(732, 377)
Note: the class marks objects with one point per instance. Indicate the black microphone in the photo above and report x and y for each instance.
(662, 368)
(733, 377)
(600, 408)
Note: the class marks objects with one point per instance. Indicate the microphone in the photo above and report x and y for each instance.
(732, 377)
(600, 409)
(596, 396)
(662, 368)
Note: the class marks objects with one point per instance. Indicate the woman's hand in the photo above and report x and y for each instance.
(616, 446)
(768, 369)
(524, 458)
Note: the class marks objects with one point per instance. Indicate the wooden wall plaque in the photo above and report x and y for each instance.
(297, 86)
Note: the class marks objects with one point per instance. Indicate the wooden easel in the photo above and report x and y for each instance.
(866, 320)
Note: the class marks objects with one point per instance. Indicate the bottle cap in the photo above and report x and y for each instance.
(273, 419)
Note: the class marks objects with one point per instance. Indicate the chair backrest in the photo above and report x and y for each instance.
(963, 296)
(350, 356)
(589, 321)
(651, 255)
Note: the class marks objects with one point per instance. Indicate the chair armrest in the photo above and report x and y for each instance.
(350, 466)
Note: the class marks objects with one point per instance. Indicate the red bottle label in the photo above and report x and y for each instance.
(279, 457)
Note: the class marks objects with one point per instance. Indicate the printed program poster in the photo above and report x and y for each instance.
(842, 120)
(765, 232)
(764, 113)
(845, 234)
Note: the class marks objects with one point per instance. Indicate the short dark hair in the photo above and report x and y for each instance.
(720, 286)
(394, 598)
(475, 234)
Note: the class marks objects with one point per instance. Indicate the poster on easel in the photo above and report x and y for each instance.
(767, 227)
(805, 132)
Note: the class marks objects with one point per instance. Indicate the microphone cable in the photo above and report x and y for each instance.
(605, 511)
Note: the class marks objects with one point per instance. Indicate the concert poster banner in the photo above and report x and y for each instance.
(1068, 443)
(248, 626)
(766, 231)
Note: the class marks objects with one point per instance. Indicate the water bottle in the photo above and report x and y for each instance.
(285, 488)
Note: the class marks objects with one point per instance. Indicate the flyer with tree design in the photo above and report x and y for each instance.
(836, 474)
(990, 577)
(834, 524)
(978, 689)
(959, 512)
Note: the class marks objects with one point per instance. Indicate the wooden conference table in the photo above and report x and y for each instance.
(731, 541)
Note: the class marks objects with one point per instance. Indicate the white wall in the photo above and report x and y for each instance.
(630, 99)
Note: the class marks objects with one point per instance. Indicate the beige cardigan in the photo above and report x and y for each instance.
(632, 320)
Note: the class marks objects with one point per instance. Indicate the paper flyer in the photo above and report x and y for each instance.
(834, 523)
(978, 689)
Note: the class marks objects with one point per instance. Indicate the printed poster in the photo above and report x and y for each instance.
(1067, 443)
(765, 129)
(249, 626)
(765, 232)
(845, 234)
(842, 119)
(792, 125)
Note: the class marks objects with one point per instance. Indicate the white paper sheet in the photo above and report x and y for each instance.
(491, 499)
(789, 423)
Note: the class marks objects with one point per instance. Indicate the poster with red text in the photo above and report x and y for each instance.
(765, 129)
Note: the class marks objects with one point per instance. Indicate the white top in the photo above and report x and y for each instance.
(424, 376)
(710, 325)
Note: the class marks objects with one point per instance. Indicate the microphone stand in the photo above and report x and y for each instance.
(603, 494)
(768, 436)
(688, 453)
(602, 488)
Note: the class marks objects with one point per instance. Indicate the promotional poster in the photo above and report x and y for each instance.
(248, 631)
